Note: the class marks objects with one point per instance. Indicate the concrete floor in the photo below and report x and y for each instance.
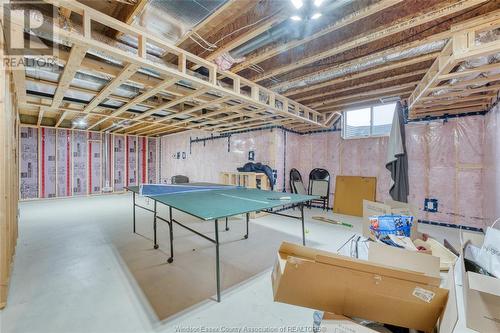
(67, 276)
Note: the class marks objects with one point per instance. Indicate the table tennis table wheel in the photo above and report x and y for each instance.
(156, 246)
(246, 236)
(227, 228)
(170, 260)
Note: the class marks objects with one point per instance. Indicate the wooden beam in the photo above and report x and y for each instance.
(229, 9)
(139, 99)
(402, 25)
(40, 116)
(169, 104)
(358, 75)
(61, 118)
(448, 112)
(464, 105)
(127, 14)
(379, 92)
(459, 94)
(190, 79)
(460, 47)
(369, 101)
(267, 53)
(363, 85)
(124, 75)
(467, 72)
(76, 56)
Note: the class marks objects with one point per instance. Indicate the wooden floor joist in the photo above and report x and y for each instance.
(349, 19)
(372, 36)
(259, 98)
(461, 47)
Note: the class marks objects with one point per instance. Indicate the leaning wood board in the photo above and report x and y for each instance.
(350, 191)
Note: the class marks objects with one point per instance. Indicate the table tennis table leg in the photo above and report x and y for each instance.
(247, 220)
(217, 258)
(171, 233)
(133, 210)
(154, 226)
(227, 228)
(303, 228)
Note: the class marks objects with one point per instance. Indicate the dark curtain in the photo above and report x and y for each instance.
(397, 162)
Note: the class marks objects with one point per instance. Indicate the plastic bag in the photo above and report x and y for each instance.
(489, 255)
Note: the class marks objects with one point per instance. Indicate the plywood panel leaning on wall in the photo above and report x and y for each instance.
(8, 178)
(350, 191)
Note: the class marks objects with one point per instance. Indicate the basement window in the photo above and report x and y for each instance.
(368, 122)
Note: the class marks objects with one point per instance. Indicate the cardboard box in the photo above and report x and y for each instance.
(481, 293)
(357, 288)
(342, 324)
(371, 208)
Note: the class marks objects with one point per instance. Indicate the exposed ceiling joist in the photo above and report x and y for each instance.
(267, 53)
(401, 25)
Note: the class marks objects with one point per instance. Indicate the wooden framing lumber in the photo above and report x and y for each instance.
(124, 75)
(270, 101)
(402, 25)
(462, 46)
(76, 56)
(358, 75)
(349, 19)
(363, 85)
(390, 91)
(382, 91)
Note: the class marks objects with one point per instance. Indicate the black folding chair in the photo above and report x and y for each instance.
(319, 184)
(296, 184)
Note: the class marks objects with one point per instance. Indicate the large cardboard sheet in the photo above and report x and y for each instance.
(63, 141)
(47, 162)
(119, 163)
(28, 164)
(79, 163)
(152, 172)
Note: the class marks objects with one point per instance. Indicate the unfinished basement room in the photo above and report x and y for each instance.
(249, 166)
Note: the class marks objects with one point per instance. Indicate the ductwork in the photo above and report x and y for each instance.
(280, 31)
(482, 38)
(335, 73)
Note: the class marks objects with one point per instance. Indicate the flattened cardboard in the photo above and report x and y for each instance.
(357, 288)
(481, 293)
(449, 319)
(333, 323)
(414, 261)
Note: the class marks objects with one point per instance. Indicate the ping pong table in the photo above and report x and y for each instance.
(210, 202)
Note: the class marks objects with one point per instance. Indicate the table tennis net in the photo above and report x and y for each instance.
(163, 189)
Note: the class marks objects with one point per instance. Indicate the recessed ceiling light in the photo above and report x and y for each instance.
(80, 123)
(316, 16)
(297, 3)
(296, 18)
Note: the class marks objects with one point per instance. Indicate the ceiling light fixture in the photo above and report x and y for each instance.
(318, 3)
(297, 3)
(296, 18)
(80, 123)
(316, 16)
